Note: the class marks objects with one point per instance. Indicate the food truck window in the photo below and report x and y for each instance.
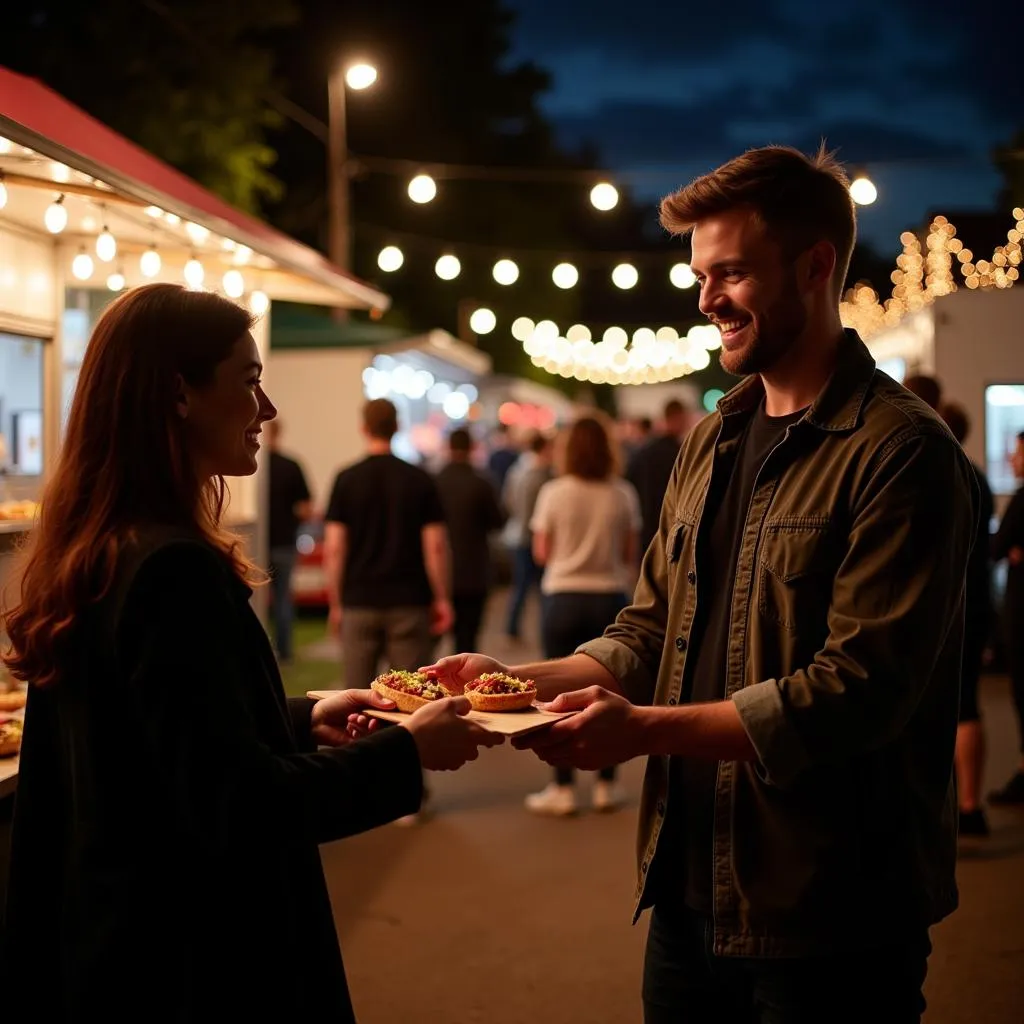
(1004, 420)
(21, 405)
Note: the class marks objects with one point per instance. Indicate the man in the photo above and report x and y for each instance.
(503, 456)
(385, 557)
(530, 473)
(472, 513)
(289, 506)
(650, 468)
(791, 659)
(1008, 543)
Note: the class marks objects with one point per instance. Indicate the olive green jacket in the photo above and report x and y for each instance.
(843, 661)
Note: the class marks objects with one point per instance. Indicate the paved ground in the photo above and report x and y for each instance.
(487, 914)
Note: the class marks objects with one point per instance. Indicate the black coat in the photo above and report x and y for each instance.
(164, 861)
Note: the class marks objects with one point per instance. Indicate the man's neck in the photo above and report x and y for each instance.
(377, 447)
(795, 382)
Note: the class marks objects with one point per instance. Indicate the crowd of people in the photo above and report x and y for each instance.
(788, 656)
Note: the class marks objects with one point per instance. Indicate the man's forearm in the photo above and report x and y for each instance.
(563, 675)
(708, 732)
(332, 578)
(436, 562)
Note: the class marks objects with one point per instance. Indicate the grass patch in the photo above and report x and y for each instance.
(310, 673)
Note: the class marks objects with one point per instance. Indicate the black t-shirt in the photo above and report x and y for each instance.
(685, 873)
(472, 511)
(384, 503)
(287, 486)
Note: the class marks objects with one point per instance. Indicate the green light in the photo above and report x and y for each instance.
(711, 398)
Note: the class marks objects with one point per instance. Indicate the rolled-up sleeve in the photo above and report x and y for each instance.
(896, 597)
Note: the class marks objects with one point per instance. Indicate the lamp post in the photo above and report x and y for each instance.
(355, 76)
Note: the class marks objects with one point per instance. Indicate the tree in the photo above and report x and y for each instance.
(189, 83)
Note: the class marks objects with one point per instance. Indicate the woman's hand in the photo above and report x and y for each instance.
(337, 720)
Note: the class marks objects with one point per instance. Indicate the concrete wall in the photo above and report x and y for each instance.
(318, 394)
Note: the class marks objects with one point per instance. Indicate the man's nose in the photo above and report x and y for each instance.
(710, 298)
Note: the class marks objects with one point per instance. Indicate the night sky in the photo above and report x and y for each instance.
(916, 91)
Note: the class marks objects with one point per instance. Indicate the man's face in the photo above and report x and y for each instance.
(748, 289)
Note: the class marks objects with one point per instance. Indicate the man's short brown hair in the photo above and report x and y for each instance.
(957, 420)
(798, 199)
(380, 419)
(927, 388)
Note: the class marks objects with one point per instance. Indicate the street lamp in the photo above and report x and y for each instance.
(355, 76)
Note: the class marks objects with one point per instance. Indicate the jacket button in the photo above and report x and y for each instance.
(671, 700)
(691, 577)
(680, 643)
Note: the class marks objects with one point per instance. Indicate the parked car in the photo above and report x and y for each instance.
(309, 581)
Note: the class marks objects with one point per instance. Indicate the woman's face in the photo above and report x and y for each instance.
(223, 420)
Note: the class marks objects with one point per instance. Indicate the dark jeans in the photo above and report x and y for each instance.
(469, 613)
(282, 565)
(685, 983)
(525, 577)
(568, 620)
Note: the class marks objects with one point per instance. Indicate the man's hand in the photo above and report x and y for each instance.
(456, 670)
(442, 616)
(606, 730)
(336, 720)
(334, 620)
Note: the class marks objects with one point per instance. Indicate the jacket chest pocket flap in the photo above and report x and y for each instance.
(797, 569)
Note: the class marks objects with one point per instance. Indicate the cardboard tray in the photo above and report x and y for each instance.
(507, 723)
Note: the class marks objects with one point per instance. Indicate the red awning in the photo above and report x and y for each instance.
(35, 116)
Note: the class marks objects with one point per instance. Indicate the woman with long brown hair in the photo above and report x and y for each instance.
(164, 859)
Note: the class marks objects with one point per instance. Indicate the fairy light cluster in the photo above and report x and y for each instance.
(923, 275)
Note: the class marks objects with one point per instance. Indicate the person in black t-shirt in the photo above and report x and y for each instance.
(385, 557)
(650, 468)
(289, 506)
(473, 512)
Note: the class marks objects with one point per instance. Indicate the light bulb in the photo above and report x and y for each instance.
(390, 258)
(578, 332)
(522, 328)
(197, 232)
(604, 196)
(565, 275)
(82, 266)
(233, 284)
(361, 76)
(483, 321)
(3, 194)
(682, 276)
(242, 255)
(56, 216)
(625, 276)
(194, 274)
(5, 146)
(60, 172)
(116, 281)
(506, 272)
(149, 263)
(172, 218)
(863, 191)
(154, 211)
(448, 267)
(422, 188)
(259, 302)
(106, 246)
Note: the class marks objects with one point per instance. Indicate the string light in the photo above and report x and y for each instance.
(448, 267)
(863, 191)
(149, 262)
(106, 245)
(361, 76)
(56, 216)
(390, 259)
(3, 193)
(506, 272)
(259, 302)
(5, 146)
(116, 281)
(233, 284)
(565, 275)
(242, 255)
(682, 276)
(483, 321)
(604, 196)
(194, 274)
(197, 232)
(625, 276)
(422, 188)
(82, 265)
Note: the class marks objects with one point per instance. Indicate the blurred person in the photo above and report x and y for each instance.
(386, 560)
(650, 468)
(290, 506)
(519, 497)
(586, 528)
(927, 388)
(472, 512)
(791, 659)
(970, 736)
(502, 457)
(1008, 544)
(164, 860)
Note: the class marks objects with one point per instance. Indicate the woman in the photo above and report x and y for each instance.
(164, 861)
(586, 530)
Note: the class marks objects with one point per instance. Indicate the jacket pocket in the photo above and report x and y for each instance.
(796, 572)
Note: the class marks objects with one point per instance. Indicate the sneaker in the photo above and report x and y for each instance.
(553, 799)
(973, 824)
(607, 796)
(1012, 794)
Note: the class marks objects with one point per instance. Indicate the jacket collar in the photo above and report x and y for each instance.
(839, 403)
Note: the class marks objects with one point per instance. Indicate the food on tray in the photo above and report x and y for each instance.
(497, 691)
(18, 509)
(409, 690)
(12, 700)
(10, 736)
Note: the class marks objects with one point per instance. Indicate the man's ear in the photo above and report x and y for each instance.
(821, 263)
(181, 404)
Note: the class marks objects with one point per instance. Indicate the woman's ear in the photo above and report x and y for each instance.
(180, 396)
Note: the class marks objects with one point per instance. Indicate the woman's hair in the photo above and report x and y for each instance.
(588, 450)
(123, 464)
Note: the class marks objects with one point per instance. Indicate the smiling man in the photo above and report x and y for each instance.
(791, 658)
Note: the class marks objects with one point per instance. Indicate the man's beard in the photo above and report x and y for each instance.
(778, 331)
